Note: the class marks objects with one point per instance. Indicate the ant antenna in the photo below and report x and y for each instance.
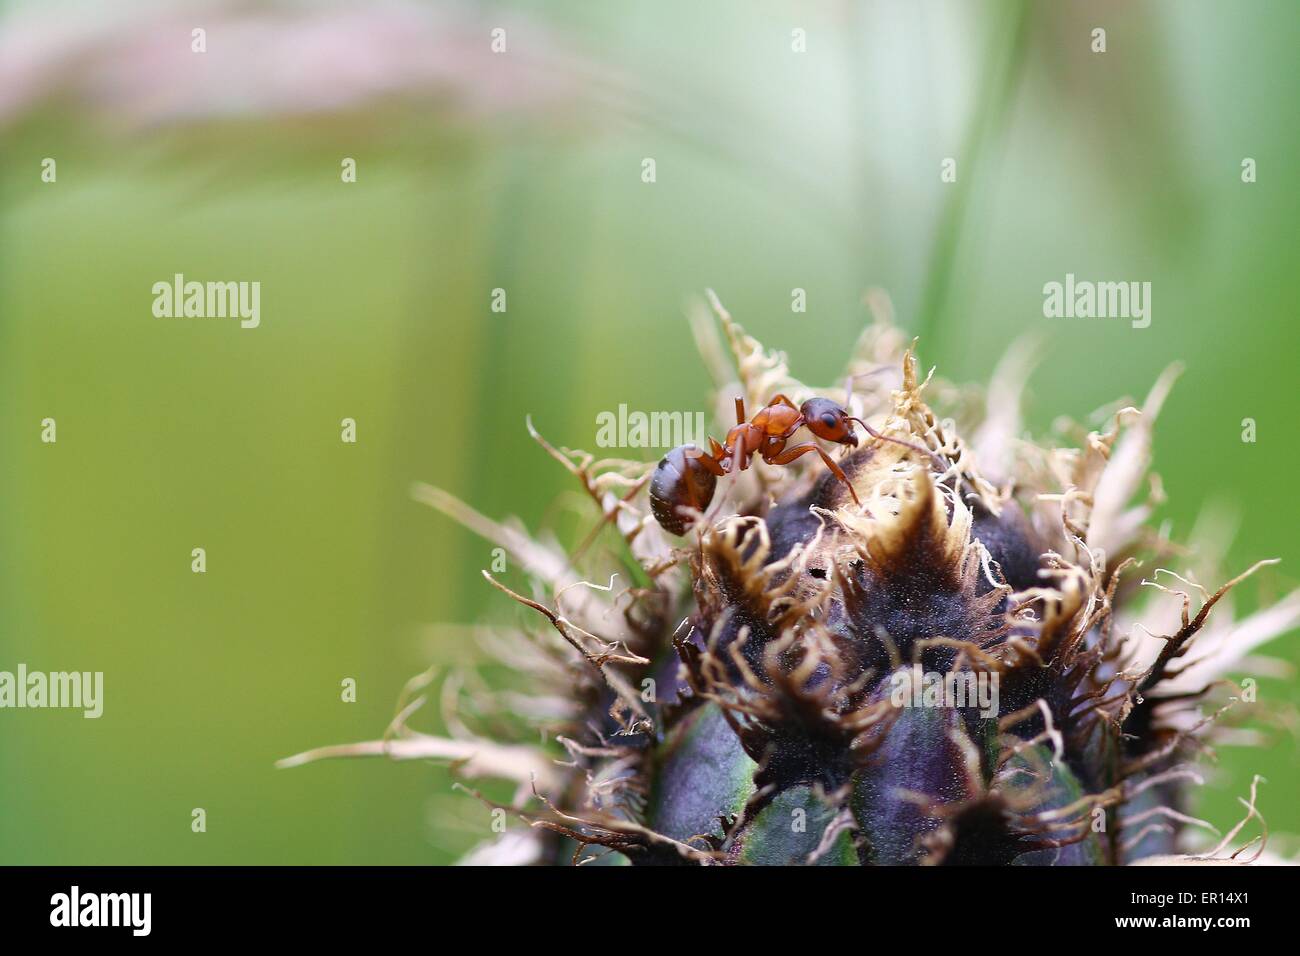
(848, 398)
(943, 466)
(849, 380)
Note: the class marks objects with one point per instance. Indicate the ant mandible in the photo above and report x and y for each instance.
(688, 475)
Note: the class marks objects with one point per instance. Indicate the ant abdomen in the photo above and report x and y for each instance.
(680, 480)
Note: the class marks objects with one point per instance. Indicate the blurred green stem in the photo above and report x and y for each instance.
(1003, 65)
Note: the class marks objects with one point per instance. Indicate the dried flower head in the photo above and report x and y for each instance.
(963, 655)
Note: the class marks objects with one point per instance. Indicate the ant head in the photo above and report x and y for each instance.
(828, 421)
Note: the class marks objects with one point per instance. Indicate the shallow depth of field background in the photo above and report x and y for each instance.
(775, 170)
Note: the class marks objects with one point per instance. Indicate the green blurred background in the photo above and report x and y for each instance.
(522, 171)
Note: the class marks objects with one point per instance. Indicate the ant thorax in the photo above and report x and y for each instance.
(778, 421)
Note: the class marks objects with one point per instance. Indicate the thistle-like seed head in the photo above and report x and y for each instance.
(954, 661)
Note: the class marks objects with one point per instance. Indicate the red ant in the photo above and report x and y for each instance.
(687, 475)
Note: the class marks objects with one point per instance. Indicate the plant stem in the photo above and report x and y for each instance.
(1004, 62)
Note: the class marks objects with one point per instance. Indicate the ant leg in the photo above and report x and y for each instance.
(710, 462)
(738, 458)
(743, 440)
(780, 399)
(740, 410)
(790, 454)
(943, 466)
(713, 466)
